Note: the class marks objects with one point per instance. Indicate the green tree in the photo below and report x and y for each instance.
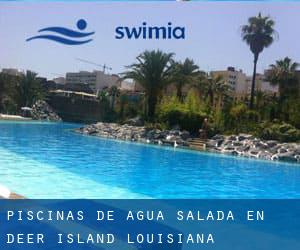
(184, 73)
(200, 85)
(28, 89)
(216, 89)
(283, 75)
(238, 116)
(258, 34)
(153, 71)
(3, 81)
(8, 93)
(103, 96)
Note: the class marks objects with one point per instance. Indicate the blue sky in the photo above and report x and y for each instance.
(212, 34)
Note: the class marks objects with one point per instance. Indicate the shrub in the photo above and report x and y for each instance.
(185, 119)
(186, 115)
(243, 119)
(294, 113)
(282, 132)
(128, 106)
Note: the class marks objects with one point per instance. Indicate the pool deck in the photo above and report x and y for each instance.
(5, 193)
(14, 196)
(14, 118)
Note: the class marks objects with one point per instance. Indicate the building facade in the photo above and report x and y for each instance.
(261, 84)
(240, 83)
(236, 80)
(12, 71)
(96, 80)
(60, 80)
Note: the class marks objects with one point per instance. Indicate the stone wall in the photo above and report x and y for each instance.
(239, 145)
(136, 133)
(250, 146)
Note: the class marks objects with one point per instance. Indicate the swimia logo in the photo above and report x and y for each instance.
(65, 35)
(150, 32)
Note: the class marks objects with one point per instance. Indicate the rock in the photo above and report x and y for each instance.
(265, 155)
(212, 144)
(158, 135)
(242, 144)
(219, 142)
(237, 144)
(254, 152)
(243, 148)
(272, 143)
(185, 135)
(289, 156)
(229, 149)
(218, 137)
(261, 145)
(137, 121)
(232, 138)
(234, 152)
(41, 110)
(282, 151)
(167, 142)
(174, 132)
(227, 143)
(242, 137)
(137, 133)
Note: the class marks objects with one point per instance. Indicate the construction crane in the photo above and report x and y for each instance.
(104, 66)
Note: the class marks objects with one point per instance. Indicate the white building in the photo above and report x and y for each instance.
(97, 80)
(236, 80)
(240, 83)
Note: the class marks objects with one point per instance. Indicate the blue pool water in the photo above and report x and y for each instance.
(48, 160)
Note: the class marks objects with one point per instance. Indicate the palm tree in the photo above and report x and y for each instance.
(7, 91)
(184, 73)
(283, 74)
(216, 88)
(2, 88)
(113, 92)
(258, 34)
(153, 72)
(200, 84)
(29, 89)
(261, 99)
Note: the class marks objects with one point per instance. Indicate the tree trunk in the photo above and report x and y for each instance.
(179, 92)
(152, 100)
(211, 97)
(1, 105)
(113, 102)
(253, 82)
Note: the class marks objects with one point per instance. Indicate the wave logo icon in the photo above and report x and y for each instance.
(65, 35)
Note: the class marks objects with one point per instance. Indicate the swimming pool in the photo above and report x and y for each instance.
(49, 160)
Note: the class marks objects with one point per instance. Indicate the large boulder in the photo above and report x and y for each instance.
(218, 137)
(288, 156)
(41, 110)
